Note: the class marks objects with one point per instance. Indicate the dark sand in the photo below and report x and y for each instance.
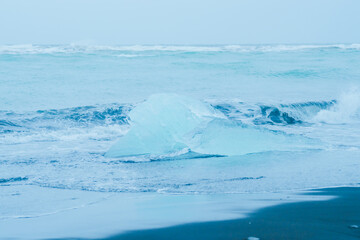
(303, 220)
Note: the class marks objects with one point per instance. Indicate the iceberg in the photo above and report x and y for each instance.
(170, 124)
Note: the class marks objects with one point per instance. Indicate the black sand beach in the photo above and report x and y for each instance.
(338, 218)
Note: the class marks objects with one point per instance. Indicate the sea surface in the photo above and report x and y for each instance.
(185, 120)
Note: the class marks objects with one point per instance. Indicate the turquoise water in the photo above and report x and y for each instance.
(55, 77)
(180, 119)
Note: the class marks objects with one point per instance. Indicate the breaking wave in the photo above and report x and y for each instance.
(104, 115)
(346, 110)
(282, 114)
(55, 119)
(169, 126)
(176, 144)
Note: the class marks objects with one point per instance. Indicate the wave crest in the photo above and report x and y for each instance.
(347, 109)
(68, 117)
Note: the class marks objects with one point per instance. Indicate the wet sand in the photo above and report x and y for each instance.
(333, 219)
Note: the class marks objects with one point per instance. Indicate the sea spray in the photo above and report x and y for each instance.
(345, 110)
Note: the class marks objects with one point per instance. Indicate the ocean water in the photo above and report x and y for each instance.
(188, 120)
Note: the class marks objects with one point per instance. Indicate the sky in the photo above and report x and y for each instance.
(179, 21)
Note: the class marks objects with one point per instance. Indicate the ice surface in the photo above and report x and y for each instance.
(169, 124)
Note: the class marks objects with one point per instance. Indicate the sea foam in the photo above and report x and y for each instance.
(344, 111)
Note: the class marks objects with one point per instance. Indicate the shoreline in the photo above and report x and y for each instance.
(337, 218)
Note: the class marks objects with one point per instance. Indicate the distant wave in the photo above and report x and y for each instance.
(73, 48)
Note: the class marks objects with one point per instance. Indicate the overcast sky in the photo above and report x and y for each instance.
(179, 21)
